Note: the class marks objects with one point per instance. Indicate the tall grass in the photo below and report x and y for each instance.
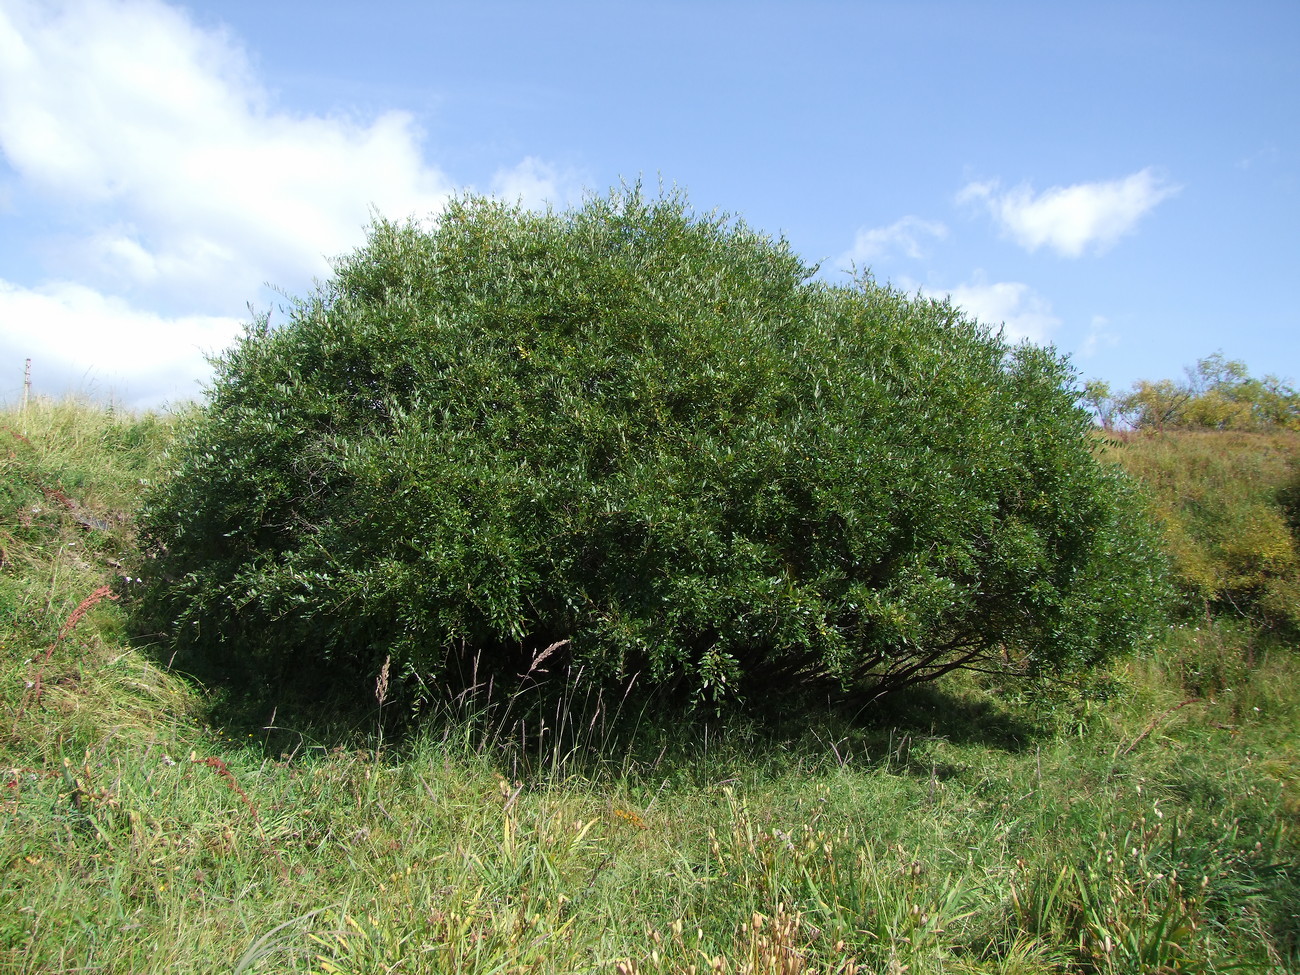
(518, 829)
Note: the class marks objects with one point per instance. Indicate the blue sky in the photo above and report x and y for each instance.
(1120, 180)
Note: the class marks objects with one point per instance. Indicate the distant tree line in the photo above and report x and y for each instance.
(1218, 394)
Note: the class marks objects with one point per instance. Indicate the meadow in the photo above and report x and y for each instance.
(1145, 822)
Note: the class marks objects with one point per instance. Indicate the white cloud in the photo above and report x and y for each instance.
(80, 340)
(1071, 219)
(1022, 313)
(1099, 337)
(537, 184)
(127, 106)
(177, 185)
(907, 235)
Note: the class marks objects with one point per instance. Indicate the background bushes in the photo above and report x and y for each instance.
(1226, 502)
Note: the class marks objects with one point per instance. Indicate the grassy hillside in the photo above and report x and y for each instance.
(949, 830)
(1219, 497)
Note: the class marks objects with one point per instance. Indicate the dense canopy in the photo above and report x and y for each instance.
(652, 434)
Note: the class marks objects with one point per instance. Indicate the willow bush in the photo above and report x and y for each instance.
(653, 434)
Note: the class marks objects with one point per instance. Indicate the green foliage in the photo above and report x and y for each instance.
(1227, 505)
(650, 434)
(1098, 398)
(1218, 394)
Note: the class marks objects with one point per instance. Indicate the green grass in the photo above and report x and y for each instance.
(948, 830)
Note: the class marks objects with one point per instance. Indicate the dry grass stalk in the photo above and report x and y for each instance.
(536, 665)
(381, 682)
(223, 770)
(1152, 726)
(36, 685)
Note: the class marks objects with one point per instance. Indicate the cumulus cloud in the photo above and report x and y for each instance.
(167, 178)
(78, 339)
(907, 236)
(537, 184)
(130, 108)
(1022, 313)
(1071, 219)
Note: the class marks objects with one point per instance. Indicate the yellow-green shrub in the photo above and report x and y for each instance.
(1224, 500)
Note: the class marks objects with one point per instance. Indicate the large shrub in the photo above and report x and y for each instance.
(652, 434)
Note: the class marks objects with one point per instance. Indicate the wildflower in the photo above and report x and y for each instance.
(632, 818)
